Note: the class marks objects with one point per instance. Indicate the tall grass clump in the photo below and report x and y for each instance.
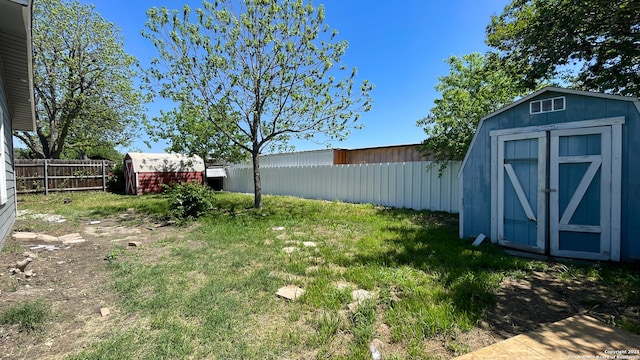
(30, 316)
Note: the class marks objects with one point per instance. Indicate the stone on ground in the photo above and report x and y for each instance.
(309, 244)
(277, 228)
(290, 292)
(289, 249)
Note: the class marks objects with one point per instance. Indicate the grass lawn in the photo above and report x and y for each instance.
(209, 290)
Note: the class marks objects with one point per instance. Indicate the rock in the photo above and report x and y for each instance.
(290, 292)
(104, 311)
(135, 243)
(94, 222)
(47, 238)
(361, 295)
(24, 236)
(282, 236)
(309, 244)
(341, 285)
(13, 271)
(376, 349)
(30, 254)
(29, 273)
(23, 263)
(288, 249)
(277, 228)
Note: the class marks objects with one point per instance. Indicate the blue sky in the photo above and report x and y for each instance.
(400, 48)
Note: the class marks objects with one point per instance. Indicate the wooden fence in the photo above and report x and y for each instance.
(413, 185)
(46, 175)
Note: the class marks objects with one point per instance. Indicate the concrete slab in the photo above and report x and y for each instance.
(579, 336)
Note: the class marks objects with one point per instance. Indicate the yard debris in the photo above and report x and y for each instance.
(24, 235)
(66, 200)
(94, 222)
(72, 238)
(23, 264)
(135, 243)
(290, 292)
(104, 311)
(309, 244)
(277, 228)
(479, 239)
(46, 247)
(47, 238)
(289, 249)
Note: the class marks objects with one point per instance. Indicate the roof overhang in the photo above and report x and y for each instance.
(216, 173)
(16, 62)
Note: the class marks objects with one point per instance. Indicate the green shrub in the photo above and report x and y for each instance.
(30, 316)
(189, 200)
(115, 181)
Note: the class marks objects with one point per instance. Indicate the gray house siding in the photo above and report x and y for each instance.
(8, 210)
(476, 171)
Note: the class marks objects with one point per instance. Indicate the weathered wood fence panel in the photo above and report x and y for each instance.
(412, 185)
(46, 175)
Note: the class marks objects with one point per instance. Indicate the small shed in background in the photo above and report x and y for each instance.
(555, 173)
(146, 172)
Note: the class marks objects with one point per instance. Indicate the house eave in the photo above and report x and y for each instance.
(16, 62)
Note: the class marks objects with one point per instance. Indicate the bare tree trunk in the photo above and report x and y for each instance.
(257, 185)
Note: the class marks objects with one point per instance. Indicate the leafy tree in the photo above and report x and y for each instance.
(476, 86)
(83, 81)
(260, 71)
(601, 38)
(189, 132)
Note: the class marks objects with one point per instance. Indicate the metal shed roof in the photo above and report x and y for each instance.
(15, 52)
(150, 162)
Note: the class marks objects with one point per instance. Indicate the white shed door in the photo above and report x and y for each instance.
(521, 197)
(580, 197)
(575, 211)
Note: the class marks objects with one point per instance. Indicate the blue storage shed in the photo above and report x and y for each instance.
(555, 173)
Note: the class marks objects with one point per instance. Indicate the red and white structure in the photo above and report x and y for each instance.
(146, 172)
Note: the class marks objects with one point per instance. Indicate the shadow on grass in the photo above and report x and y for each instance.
(469, 276)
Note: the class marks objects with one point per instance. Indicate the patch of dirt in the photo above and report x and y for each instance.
(525, 305)
(73, 281)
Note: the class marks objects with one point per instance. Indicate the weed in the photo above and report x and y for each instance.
(30, 316)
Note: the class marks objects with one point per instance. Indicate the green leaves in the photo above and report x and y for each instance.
(83, 81)
(476, 86)
(273, 65)
(591, 44)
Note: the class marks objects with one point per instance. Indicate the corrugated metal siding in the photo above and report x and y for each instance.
(303, 158)
(8, 210)
(477, 171)
(404, 185)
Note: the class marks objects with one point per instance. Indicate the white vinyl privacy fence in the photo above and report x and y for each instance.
(412, 185)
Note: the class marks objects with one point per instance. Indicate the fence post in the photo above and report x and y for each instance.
(46, 178)
(104, 177)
